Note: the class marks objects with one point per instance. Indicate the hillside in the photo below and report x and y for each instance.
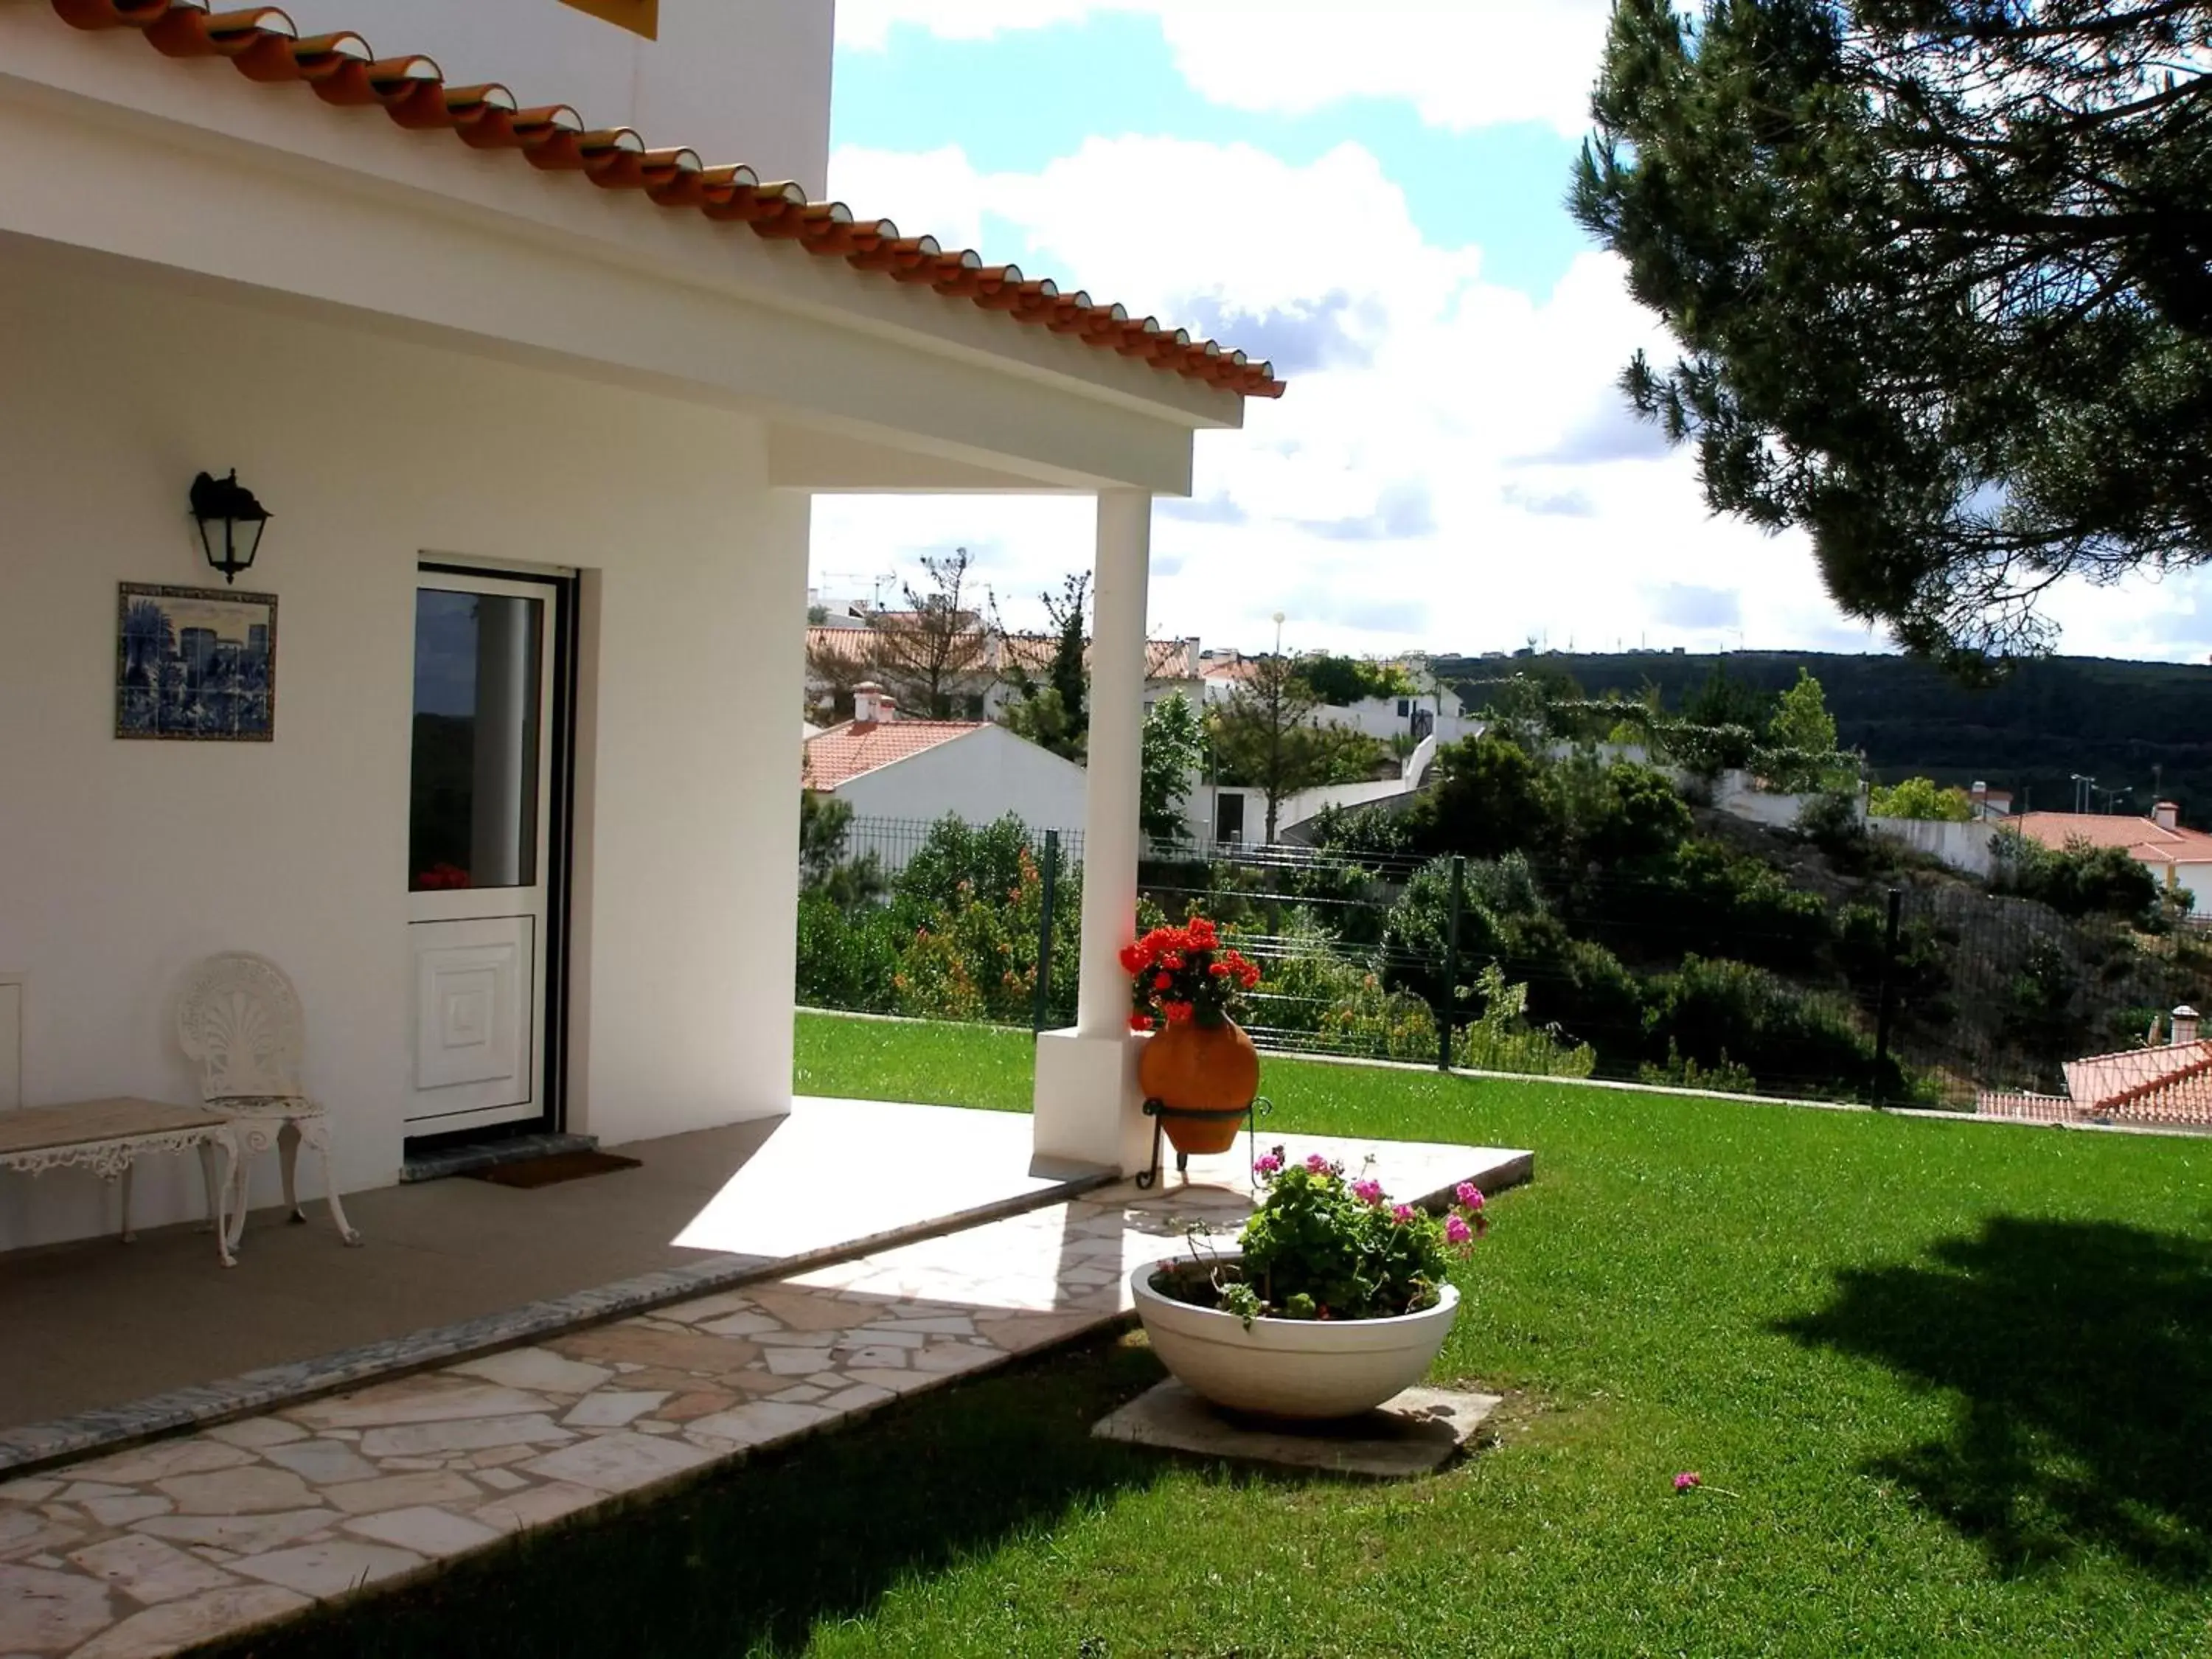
(2139, 725)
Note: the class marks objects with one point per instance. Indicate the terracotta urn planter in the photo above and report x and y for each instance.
(1295, 1368)
(1196, 1067)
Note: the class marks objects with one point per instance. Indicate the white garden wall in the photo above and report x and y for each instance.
(121, 862)
(1963, 846)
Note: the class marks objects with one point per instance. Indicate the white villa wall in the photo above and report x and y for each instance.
(979, 778)
(127, 861)
(736, 80)
(1963, 846)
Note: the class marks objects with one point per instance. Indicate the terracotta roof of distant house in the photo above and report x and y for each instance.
(263, 43)
(2170, 1085)
(844, 752)
(2137, 1083)
(2146, 838)
(1164, 659)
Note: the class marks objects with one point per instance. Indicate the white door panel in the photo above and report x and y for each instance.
(479, 849)
(474, 1006)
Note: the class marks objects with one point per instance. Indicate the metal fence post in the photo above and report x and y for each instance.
(1886, 1011)
(1449, 1019)
(1041, 1002)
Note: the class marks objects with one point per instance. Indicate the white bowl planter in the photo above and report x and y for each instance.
(1309, 1368)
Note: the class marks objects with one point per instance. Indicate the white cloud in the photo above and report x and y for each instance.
(1462, 64)
(1451, 466)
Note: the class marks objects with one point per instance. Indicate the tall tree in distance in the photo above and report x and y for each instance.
(931, 652)
(1175, 743)
(1054, 711)
(1942, 274)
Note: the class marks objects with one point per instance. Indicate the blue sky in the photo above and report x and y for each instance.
(1371, 196)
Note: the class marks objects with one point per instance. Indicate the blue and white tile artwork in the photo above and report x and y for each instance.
(194, 662)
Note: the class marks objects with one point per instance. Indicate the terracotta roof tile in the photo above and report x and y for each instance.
(844, 752)
(1164, 659)
(2146, 838)
(2170, 1086)
(263, 43)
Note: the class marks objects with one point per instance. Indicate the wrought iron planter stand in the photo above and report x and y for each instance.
(1159, 1111)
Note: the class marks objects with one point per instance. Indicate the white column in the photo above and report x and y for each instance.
(1086, 1100)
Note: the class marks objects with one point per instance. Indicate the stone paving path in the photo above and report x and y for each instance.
(145, 1550)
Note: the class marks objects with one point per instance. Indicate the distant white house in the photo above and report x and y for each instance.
(886, 769)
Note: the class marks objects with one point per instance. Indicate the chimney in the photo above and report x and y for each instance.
(2166, 815)
(2184, 1025)
(868, 706)
(886, 708)
(1979, 796)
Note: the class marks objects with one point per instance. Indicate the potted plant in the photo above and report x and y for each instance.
(1185, 986)
(1336, 1299)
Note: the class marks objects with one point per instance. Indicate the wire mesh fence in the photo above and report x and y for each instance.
(1708, 973)
(892, 844)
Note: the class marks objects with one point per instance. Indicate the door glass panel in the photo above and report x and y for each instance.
(472, 819)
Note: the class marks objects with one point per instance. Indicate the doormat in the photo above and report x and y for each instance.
(1411, 1433)
(546, 1171)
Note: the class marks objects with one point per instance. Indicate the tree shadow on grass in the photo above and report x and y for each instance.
(2082, 1355)
(749, 1560)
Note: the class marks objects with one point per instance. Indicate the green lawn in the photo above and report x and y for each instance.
(1949, 1386)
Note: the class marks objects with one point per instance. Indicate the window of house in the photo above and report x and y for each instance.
(1405, 708)
(638, 16)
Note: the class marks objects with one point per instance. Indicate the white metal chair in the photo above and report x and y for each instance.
(239, 1017)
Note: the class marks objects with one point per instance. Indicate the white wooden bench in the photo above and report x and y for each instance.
(107, 1136)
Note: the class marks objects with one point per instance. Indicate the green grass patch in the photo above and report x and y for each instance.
(1949, 1387)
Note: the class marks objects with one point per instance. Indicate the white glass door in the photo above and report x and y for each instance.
(480, 850)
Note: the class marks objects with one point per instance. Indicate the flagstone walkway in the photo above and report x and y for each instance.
(177, 1541)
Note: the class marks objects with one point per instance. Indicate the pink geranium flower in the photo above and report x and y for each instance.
(1687, 1478)
(1367, 1192)
(1267, 1164)
(1402, 1214)
(1457, 1232)
(1316, 1164)
(1469, 1195)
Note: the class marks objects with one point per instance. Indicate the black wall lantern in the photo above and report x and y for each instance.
(230, 521)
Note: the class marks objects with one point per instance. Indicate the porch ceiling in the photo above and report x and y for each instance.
(187, 168)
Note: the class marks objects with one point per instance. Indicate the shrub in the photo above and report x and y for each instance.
(1708, 899)
(989, 859)
(1721, 1013)
(1919, 977)
(824, 864)
(1386, 1023)
(975, 955)
(1921, 798)
(1307, 976)
(1490, 797)
(1369, 835)
(1681, 1073)
(2078, 880)
(846, 959)
(1501, 1039)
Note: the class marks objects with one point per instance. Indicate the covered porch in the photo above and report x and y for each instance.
(147, 1337)
(437, 364)
(253, 1513)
